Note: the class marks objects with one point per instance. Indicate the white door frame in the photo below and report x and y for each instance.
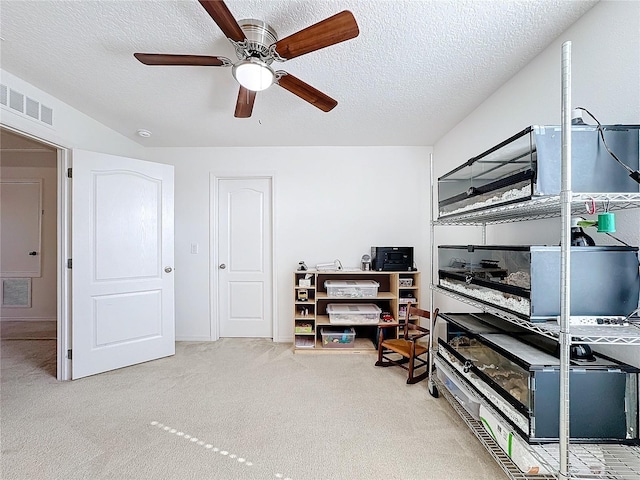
(214, 310)
(63, 275)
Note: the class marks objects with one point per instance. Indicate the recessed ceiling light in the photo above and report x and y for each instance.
(144, 133)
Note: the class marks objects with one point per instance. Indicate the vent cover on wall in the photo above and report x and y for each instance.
(16, 292)
(27, 106)
(32, 108)
(16, 101)
(3, 95)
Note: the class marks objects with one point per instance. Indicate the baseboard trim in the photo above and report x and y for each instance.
(193, 339)
(28, 329)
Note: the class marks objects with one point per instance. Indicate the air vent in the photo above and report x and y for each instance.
(46, 115)
(16, 292)
(25, 105)
(16, 100)
(32, 108)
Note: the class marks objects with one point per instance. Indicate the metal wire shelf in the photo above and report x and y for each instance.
(499, 455)
(547, 206)
(597, 334)
(603, 461)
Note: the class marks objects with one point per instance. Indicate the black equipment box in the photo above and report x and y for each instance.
(392, 259)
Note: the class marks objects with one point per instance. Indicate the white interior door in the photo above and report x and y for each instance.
(122, 250)
(244, 270)
(21, 233)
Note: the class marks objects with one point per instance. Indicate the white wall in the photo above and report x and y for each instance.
(40, 165)
(71, 128)
(605, 80)
(329, 202)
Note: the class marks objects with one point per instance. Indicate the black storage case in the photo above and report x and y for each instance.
(525, 280)
(521, 379)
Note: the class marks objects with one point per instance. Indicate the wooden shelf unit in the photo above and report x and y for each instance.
(310, 315)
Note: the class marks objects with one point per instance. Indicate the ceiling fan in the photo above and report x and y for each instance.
(257, 46)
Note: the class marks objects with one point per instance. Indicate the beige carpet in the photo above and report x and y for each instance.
(232, 409)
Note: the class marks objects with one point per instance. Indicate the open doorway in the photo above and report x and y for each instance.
(29, 305)
(101, 189)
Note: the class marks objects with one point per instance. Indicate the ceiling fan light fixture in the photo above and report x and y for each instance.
(253, 74)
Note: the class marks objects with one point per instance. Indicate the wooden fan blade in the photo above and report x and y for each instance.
(223, 17)
(338, 28)
(170, 59)
(244, 105)
(306, 92)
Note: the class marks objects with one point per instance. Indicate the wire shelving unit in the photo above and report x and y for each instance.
(567, 461)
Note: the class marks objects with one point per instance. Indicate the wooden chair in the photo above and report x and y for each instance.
(406, 350)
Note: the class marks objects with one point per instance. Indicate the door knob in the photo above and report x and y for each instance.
(33, 254)
(223, 266)
(168, 269)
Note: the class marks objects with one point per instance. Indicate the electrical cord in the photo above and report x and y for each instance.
(628, 317)
(635, 174)
(616, 238)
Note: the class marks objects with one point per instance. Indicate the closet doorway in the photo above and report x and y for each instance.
(29, 245)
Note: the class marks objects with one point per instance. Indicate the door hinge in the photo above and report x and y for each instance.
(69, 172)
(69, 354)
(69, 263)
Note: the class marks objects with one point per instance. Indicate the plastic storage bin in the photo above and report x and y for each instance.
(513, 446)
(305, 342)
(338, 337)
(304, 327)
(354, 313)
(462, 393)
(352, 288)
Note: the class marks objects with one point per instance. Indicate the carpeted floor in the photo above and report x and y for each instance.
(232, 409)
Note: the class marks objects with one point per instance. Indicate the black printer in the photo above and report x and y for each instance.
(392, 259)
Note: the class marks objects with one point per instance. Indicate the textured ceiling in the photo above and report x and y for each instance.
(416, 69)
